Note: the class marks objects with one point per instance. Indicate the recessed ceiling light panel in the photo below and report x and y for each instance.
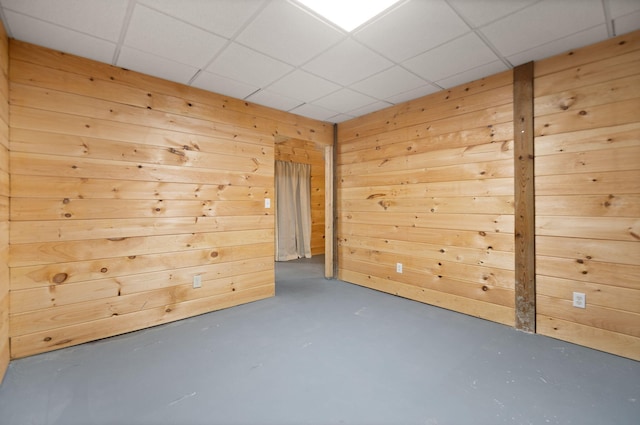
(348, 14)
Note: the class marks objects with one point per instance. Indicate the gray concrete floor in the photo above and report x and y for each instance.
(323, 352)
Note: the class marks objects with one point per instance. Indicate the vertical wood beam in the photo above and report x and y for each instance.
(525, 283)
(336, 262)
(328, 211)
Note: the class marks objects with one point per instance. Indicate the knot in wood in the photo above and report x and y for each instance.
(58, 278)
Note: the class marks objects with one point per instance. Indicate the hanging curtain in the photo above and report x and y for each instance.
(293, 210)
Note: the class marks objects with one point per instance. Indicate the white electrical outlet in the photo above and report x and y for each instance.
(197, 281)
(398, 267)
(267, 202)
(579, 300)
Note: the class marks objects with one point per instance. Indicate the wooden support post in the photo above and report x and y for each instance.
(328, 212)
(525, 283)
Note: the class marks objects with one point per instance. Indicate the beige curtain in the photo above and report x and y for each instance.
(293, 210)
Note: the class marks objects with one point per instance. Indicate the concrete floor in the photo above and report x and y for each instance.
(323, 352)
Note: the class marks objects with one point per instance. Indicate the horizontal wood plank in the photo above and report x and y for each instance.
(90, 229)
(60, 166)
(29, 344)
(446, 237)
(55, 252)
(602, 183)
(91, 188)
(23, 209)
(614, 297)
(471, 256)
(614, 274)
(122, 304)
(66, 273)
(589, 336)
(609, 205)
(606, 228)
(488, 311)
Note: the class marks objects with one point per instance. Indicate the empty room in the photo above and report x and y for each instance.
(319, 212)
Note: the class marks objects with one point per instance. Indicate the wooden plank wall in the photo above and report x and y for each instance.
(4, 201)
(124, 187)
(587, 148)
(305, 152)
(429, 184)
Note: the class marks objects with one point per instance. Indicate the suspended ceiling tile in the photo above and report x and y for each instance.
(625, 15)
(473, 74)
(156, 33)
(362, 61)
(54, 37)
(221, 17)
(574, 41)
(479, 13)
(223, 85)
(344, 100)
(389, 83)
(303, 86)
(413, 94)
(375, 106)
(243, 64)
(157, 66)
(542, 23)
(627, 23)
(101, 19)
(619, 8)
(456, 56)
(274, 100)
(412, 28)
(288, 33)
(314, 111)
(340, 118)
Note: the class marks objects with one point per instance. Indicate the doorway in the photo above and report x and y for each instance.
(320, 158)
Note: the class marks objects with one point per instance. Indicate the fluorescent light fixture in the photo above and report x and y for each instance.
(348, 14)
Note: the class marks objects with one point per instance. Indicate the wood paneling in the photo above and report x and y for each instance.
(124, 188)
(587, 170)
(4, 202)
(429, 184)
(305, 152)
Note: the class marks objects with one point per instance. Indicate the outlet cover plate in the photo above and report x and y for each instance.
(197, 281)
(579, 300)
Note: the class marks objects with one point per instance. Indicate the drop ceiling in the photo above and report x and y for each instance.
(279, 54)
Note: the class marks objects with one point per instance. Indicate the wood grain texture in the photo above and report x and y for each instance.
(4, 202)
(330, 250)
(229, 114)
(429, 184)
(587, 195)
(125, 187)
(525, 284)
